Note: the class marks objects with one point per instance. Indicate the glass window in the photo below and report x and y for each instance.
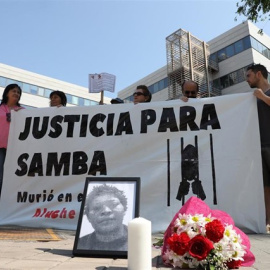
(33, 89)
(221, 55)
(96, 103)
(151, 88)
(213, 57)
(161, 85)
(75, 100)
(233, 78)
(224, 82)
(10, 81)
(81, 101)
(241, 75)
(166, 82)
(41, 91)
(26, 88)
(265, 52)
(254, 43)
(3, 81)
(238, 46)
(155, 87)
(229, 51)
(246, 42)
(69, 98)
(19, 83)
(87, 102)
(216, 84)
(47, 93)
(260, 47)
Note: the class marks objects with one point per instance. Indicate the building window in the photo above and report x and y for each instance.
(47, 93)
(230, 79)
(41, 91)
(33, 89)
(156, 87)
(151, 88)
(238, 46)
(247, 42)
(260, 48)
(216, 84)
(81, 101)
(166, 82)
(75, 100)
(69, 98)
(221, 55)
(44, 92)
(224, 82)
(230, 51)
(26, 88)
(87, 102)
(161, 85)
(266, 52)
(3, 81)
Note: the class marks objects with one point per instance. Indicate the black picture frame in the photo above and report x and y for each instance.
(86, 241)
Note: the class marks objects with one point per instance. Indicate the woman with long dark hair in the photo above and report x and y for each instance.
(10, 101)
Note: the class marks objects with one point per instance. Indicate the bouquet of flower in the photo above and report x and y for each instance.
(206, 239)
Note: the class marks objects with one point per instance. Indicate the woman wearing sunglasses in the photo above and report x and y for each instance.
(10, 101)
(142, 94)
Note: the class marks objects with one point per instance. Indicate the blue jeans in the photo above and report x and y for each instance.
(2, 161)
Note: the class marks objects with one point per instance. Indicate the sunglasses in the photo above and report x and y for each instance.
(190, 92)
(8, 115)
(138, 94)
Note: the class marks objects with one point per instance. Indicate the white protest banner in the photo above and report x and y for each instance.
(206, 147)
(101, 82)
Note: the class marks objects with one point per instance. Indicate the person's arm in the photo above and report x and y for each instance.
(258, 93)
(18, 108)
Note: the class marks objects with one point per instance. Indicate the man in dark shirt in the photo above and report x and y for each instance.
(105, 208)
(256, 77)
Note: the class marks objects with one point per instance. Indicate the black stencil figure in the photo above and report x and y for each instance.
(190, 172)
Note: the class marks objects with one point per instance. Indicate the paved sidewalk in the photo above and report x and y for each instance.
(57, 255)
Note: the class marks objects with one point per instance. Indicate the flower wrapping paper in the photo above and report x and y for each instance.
(196, 206)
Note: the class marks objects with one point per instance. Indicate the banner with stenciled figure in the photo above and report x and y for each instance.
(207, 148)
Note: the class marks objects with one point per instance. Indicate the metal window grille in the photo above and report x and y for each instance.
(188, 59)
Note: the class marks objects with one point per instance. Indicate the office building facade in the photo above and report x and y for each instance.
(224, 60)
(36, 89)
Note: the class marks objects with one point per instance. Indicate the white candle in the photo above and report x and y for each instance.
(139, 244)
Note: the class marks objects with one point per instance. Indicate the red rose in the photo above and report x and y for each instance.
(179, 243)
(200, 247)
(214, 230)
(234, 264)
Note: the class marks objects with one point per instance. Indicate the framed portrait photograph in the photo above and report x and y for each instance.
(108, 204)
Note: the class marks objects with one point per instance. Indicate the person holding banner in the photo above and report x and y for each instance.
(10, 101)
(142, 94)
(256, 77)
(190, 89)
(58, 99)
(105, 208)
(117, 101)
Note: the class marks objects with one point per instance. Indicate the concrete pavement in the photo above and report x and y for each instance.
(22, 254)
